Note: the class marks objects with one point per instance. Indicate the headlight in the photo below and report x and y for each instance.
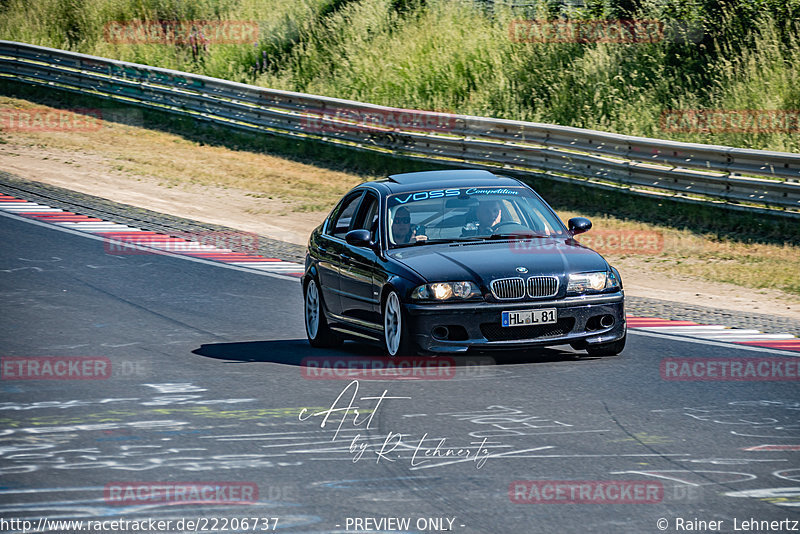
(446, 291)
(592, 282)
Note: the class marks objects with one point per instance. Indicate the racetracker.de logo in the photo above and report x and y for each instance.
(585, 492)
(41, 119)
(131, 493)
(623, 241)
(731, 121)
(181, 32)
(378, 367)
(585, 31)
(346, 121)
(730, 369)
(55, 368)
(641, 242)
(131, 243)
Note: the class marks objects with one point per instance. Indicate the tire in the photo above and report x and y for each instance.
(607, 349)
(396, 339)
(317, 330)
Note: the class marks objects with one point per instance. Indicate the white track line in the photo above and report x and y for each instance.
(279, 276)
(687, 339)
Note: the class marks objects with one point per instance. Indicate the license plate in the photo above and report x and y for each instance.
(529, 317)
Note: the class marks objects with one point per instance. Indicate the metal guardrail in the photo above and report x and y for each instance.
(752, 180)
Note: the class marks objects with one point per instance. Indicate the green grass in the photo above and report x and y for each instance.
(79, 25)
(457, 55)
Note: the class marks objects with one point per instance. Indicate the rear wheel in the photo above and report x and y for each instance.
(607, 349)
(396, 340)
(319, 333)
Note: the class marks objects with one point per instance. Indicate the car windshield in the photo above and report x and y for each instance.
(469, 214)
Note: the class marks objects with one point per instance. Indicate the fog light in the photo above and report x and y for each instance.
(441, 332)
(607, 321)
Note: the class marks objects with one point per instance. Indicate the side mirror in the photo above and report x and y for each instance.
(579, 225)
(358, 238)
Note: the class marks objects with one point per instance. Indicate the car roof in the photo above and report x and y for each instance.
(414, 181)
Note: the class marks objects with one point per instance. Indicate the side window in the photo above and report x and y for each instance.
(368, 215)
(340, 223)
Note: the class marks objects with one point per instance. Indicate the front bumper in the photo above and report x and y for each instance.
(476, 325)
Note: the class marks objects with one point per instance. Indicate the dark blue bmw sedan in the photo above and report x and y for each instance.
(448, 261)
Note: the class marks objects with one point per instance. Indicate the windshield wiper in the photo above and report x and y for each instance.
(438, 241)
(517, 235)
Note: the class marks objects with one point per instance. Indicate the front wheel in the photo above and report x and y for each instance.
(607, 349)
(317, 330)
(396, 340)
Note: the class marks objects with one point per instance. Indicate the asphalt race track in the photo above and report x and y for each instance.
(195, 381)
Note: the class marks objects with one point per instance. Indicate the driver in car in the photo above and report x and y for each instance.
(402, 230)
(489, 216)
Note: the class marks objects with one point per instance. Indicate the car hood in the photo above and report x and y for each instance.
(486, 261)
